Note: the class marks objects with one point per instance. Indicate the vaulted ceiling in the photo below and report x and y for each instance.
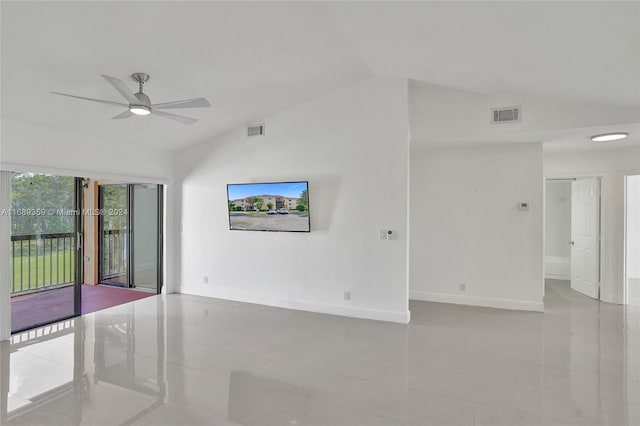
(254, 59)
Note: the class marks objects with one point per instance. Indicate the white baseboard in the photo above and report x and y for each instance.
(345, 311)
(557, 268)
(558, 277)
(487, 302)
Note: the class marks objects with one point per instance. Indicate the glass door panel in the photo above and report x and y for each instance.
(45, 270)
(144, 221)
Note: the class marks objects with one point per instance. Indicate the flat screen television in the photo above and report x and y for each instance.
(274, 206)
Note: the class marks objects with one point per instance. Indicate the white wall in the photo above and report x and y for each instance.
(466, 227)
(352, 147)
(27, 147)
(612, 165)
(440, 113)
(557, 232)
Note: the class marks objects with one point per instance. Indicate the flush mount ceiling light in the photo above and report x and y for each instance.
(607, 137)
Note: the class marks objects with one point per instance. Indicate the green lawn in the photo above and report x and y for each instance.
(44, 270)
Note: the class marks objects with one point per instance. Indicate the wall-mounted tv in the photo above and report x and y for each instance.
(275, 206)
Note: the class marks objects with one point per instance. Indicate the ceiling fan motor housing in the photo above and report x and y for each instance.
(144, 99)
(141, 78)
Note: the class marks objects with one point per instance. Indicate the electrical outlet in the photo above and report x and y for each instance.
(463, 287)
(205, 280)
(383, 234)
(347, 295)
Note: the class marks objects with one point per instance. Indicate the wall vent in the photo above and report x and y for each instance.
(256, 130)
(506, 115)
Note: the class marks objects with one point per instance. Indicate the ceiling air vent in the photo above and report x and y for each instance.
(256, 130)
(506, 115)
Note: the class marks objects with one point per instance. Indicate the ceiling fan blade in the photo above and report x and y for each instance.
(125, 114)
(181, 118)
(186, 103)
(122, 89)
(91, 99)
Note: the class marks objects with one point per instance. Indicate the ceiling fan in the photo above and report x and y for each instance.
(140, 104)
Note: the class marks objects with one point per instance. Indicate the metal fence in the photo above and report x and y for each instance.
(114, 253)
(42, 261)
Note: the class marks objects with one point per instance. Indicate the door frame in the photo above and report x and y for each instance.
(603, 214)
(77, 291)
(160, 248)
(625, 272)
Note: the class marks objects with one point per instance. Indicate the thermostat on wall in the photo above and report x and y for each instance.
(523, 207)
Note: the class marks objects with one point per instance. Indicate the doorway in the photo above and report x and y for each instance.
(572, 233)
(130, 236)
(632, 240)
(54, 252)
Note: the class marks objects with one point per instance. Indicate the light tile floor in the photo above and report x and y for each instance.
(185, 360)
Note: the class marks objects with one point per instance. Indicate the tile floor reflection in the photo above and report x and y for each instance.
(186, 360)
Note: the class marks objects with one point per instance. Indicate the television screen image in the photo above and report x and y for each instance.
(277, 206)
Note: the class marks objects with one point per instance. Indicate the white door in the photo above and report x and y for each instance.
(585, 236)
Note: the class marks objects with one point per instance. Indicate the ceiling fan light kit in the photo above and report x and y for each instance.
(140, 104)
(608, 137)
(140, 109)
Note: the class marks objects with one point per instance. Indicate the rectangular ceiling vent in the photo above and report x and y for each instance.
(506, 115)
(257, 130)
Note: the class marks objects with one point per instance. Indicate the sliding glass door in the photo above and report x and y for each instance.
(46, 252)
(131, 235)
(145, 220)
